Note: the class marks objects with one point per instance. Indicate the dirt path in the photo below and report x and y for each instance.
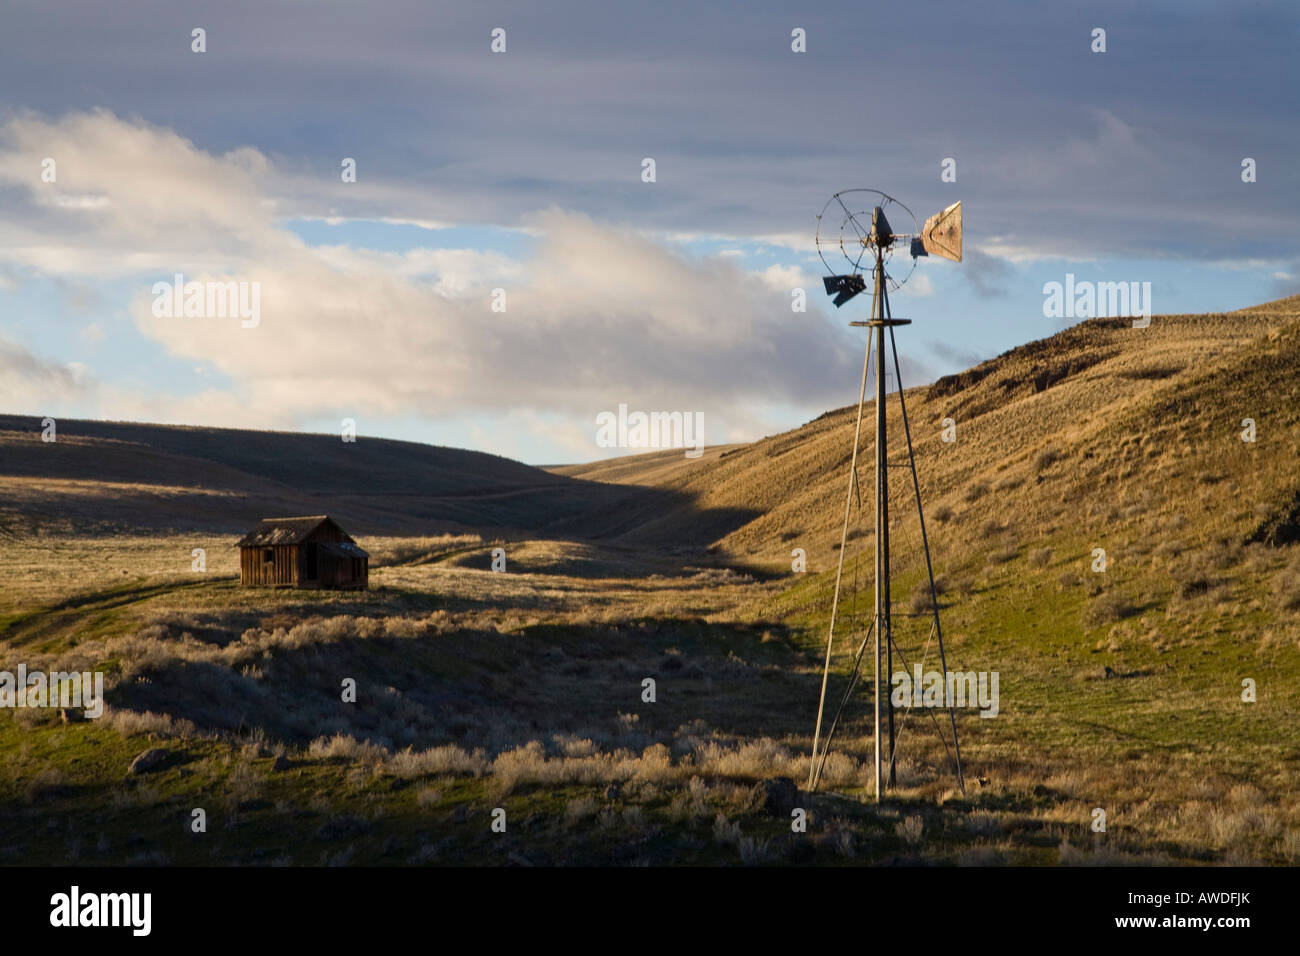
(41, 629)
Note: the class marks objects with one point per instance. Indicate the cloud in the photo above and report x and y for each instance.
(145, 197)
(986, 273)
(919, 285)
(597, 313)
(962, 358)
(26, 379)
(750, 138)
(1286, 282)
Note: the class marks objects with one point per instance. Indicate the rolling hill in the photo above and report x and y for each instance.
(1102, 431)
(113, 477)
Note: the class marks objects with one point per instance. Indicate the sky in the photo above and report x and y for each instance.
(501, 273)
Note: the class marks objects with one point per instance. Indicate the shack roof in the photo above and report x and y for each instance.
(271, 532)
(344, 549)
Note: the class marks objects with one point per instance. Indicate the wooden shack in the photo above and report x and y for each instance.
(308, 552)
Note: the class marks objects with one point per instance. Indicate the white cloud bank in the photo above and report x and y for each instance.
(597, 315)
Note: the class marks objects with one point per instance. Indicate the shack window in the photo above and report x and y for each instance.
(268, 555)
(312, 566)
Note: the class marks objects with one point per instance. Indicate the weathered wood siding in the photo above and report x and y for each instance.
(280, 571)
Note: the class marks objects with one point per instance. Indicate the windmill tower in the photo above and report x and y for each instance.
(870, 237)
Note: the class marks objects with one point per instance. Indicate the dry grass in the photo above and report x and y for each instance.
(1286, 587)
(1046, 458)
(910, 830)
(1108, 607)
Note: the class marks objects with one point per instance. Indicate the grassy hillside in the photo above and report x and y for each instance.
(1060, 432)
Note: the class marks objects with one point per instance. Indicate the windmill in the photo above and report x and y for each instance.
(865, 236)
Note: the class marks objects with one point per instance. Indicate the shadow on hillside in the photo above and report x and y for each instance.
(141, 479)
